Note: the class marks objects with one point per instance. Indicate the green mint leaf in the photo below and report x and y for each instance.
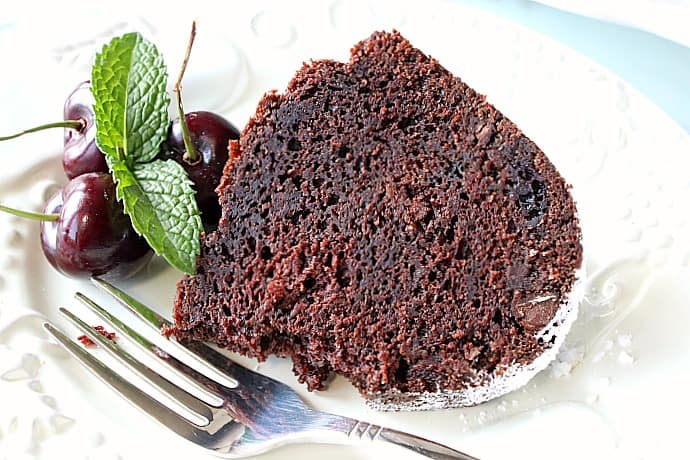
(159, 199)
(128, 81)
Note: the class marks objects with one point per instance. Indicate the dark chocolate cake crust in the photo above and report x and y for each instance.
(382, 221)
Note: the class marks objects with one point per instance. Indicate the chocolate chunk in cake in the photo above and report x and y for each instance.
(383, 222)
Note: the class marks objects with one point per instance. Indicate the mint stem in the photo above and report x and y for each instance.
(30, 215)
(74, 124)
(191, 155)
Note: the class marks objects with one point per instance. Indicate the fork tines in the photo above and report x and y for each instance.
(195, 417)
(216, 403)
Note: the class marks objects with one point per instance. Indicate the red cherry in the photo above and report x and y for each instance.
(81, 154)
(210, 134)
(92, 236)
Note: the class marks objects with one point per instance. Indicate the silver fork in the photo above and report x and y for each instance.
(237, 412)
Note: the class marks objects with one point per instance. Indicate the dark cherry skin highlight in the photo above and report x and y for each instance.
(81, 154)
(92, 236)
(210, 134)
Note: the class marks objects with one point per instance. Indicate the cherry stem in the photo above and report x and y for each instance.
(191, 155)
(30, 215)
(73, 124)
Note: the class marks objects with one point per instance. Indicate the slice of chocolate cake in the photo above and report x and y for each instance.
(382, 221)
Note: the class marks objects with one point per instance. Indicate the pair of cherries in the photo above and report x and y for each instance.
(84, 231)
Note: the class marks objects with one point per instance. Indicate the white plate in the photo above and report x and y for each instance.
(619, 387)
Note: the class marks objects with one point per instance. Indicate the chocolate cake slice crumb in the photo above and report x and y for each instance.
(383, 222)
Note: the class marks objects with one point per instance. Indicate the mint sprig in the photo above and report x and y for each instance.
(159, 199)
(128, 82)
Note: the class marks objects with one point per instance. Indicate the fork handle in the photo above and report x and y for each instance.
(422, 446)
